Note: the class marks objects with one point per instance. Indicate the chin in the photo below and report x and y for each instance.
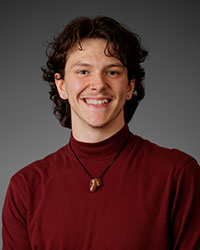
(104, 122)
(98, 124)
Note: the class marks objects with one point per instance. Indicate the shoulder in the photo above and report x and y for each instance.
(159, 157)
(154, 150)
(41, 170)
(163, 168)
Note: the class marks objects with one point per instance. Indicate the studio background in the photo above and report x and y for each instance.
(169, 114)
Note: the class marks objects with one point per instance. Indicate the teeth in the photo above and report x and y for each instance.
(96, 102)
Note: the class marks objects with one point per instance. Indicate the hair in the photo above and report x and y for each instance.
(121, 43)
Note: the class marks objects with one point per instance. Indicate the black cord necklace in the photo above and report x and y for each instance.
(97, 182)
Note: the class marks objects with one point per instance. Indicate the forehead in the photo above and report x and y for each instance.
(91, 48)
(89, 43)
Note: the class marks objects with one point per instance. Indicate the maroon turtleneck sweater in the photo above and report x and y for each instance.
(150, 199)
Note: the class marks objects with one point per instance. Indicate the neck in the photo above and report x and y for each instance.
(95, 134)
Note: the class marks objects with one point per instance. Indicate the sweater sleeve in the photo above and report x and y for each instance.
(15, 232)
(185, 219)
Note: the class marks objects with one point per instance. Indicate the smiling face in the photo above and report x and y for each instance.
(96, 87)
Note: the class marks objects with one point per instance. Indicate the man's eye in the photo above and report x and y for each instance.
(112, 72)
(83, 72)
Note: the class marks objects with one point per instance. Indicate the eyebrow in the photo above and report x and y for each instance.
(114, 65)
(80, 64)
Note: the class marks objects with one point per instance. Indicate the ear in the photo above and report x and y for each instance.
(130, 90)
(60, 84)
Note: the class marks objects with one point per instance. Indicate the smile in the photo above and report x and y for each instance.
(97, 102)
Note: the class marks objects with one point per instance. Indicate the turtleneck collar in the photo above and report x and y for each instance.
(103, 150)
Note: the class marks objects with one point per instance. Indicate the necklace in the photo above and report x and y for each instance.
(97, 182)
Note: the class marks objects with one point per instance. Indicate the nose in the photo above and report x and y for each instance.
(98, 82)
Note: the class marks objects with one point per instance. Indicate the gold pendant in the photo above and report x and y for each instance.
(94, 184)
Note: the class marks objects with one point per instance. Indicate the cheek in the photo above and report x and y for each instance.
(73, 87)
(123, 89)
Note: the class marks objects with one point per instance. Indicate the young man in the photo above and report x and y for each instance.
(107, 188)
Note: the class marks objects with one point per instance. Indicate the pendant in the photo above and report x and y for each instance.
(94, 184)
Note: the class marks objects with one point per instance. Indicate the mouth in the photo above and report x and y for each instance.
(97, 101)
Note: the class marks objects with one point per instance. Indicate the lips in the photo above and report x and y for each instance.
(97, 101)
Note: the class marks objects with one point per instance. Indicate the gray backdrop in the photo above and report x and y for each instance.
(168, 116)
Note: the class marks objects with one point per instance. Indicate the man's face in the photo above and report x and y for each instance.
(95, 85)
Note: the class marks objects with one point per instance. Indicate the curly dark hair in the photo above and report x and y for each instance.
(126, 46)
